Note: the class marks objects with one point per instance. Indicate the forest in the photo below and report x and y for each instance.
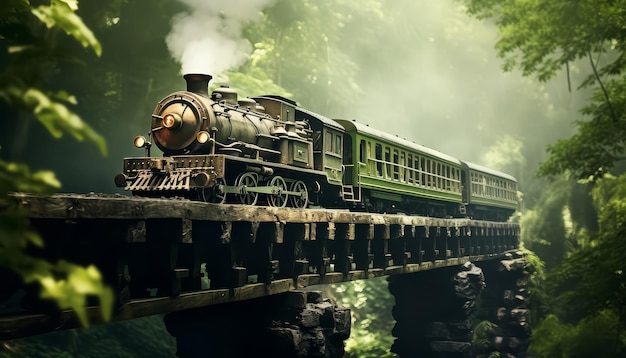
(533, 88)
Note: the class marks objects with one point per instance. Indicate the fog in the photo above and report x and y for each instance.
(440, 83)
(430, 74)
(424, 71)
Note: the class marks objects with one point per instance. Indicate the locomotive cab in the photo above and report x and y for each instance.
(295, 146)
(327, 144)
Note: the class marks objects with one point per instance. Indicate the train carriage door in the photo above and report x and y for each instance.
(348, 160)
(318, 150)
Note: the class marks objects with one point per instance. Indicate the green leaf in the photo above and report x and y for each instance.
(61, 14)
(16, 177)
(58, 119)
(69, 285)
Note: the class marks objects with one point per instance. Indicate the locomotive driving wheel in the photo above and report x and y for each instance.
(244, 181)
(278, 199)
(300, 200)
(214, 194)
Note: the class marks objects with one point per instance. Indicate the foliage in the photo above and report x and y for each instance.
(543, 226)
(370, 303)
(54, 115)
(481, 337)
(299, 44)
(541, 37)
(253, 81)
(599, 143)
(66, 283)
(140, 337)
(33, 53)
(538, 297)
(586, 292)
(60, 14)
(506, 155)
(593, 336)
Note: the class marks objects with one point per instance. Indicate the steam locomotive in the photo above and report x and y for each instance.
(267, 150)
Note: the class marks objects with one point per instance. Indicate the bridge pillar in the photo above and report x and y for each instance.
(504, 314)
(435, 311)
(292, 324)
(463, 311)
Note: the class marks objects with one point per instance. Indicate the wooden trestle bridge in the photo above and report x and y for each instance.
(169, 255)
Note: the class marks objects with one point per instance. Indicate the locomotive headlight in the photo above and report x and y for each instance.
(140, 141)
(172, 121)
(203, 137)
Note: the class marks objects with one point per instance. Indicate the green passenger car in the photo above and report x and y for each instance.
(386, 173)
(487, 188)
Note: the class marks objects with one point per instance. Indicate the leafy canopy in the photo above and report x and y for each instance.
(586, 292)
(545, 37)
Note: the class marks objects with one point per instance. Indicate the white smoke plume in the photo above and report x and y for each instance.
(207, 38)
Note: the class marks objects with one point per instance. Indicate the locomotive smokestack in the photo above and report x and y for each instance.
(198, 83)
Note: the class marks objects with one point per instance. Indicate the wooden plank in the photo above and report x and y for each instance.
(99, 206)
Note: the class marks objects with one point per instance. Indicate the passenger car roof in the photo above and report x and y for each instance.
(375, 133)
(480, 168)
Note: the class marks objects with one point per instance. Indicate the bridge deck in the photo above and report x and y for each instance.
(164, 255)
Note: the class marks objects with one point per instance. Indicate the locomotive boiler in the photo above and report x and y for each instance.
(267, 150)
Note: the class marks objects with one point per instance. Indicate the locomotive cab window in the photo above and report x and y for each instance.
(333, 143)
(328, 138)
(338, 146)
(317, 140)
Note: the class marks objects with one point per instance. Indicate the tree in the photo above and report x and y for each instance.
(543, 37)
(584, 313)
(302, 46)
(371, 304)
(30, 39)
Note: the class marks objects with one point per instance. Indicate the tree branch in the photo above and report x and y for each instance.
(606, 94)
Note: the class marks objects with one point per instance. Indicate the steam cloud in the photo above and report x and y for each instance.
(207, 38)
